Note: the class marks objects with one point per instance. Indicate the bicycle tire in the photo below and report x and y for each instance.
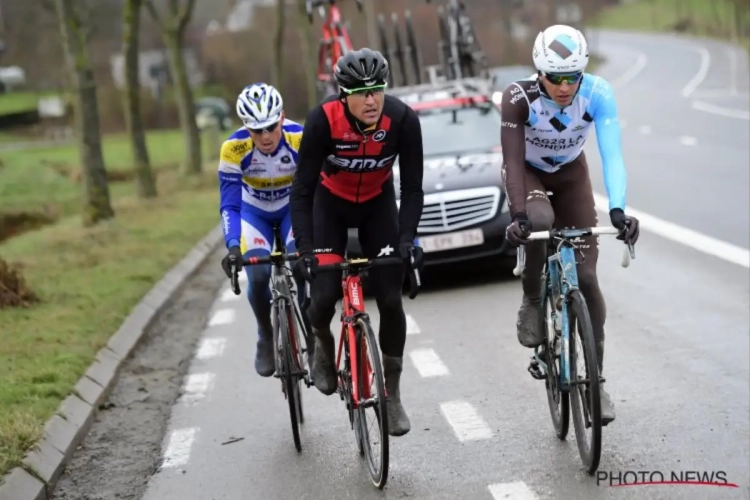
(383, 35)
(298, 358)
(411, 42)
(579, 310)
(366, 338)
(559, 408)
(444, 43)
(290, 381)
(399, 50)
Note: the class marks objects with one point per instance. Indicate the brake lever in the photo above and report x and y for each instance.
(235, 278)
(414, 277)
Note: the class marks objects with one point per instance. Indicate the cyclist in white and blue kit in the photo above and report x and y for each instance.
(256, 169)
(546, 120)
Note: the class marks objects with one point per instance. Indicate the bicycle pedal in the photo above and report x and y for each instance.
(536, 371)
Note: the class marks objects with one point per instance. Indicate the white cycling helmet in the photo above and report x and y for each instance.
(259, 105)
(560, 49)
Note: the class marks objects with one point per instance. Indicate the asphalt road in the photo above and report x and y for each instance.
(677, 356)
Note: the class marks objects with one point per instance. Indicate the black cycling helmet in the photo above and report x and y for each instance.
(361, 68)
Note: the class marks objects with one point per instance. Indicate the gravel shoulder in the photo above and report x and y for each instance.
(123, 448)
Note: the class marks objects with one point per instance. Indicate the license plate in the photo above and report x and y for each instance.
(450, 241)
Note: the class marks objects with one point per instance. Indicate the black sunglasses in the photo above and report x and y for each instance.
(268, 129)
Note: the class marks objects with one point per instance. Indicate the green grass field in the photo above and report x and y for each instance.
(88, 279)
(713, 18)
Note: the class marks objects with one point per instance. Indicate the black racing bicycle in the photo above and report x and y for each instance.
(460, 53)
(290, 335)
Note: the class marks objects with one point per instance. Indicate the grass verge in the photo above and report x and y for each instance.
(88, 281)
(717, 18)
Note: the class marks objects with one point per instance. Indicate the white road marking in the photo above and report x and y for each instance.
(721, 111)
(644, 129)
(196, 386)
(222, 317)
(178, 449)
(228, 295)
(428, 363)
(632, 72)
(512, 491)
(688, 237)
(412, 328)
(466, 422)
(688, 141)
(211, 347)
(701, 74)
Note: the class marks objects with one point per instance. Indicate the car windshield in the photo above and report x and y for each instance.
(447, 131)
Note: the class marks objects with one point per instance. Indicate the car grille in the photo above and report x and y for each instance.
(458, 209)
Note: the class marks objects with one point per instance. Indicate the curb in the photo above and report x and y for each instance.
(73, 418)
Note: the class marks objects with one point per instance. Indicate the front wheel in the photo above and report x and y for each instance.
(371, 387)
(290, 378)
(558, 399)
(584, 374)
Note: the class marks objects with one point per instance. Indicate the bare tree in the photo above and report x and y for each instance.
(73, 17)
(278, 53)
(144, 177)
(172, 26)
(309, 56)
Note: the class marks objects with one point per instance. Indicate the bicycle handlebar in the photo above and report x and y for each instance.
(628, 253)
(415, 281)
(272, 258)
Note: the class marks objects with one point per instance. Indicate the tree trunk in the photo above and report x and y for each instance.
(74, 29)
(145, 182)
(278, 53)
(185, 102)
(311, 57)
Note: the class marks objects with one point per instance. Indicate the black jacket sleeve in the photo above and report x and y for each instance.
(513, 141)
(411, 161)
(316, 137)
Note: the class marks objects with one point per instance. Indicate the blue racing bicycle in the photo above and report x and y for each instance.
(573, 373)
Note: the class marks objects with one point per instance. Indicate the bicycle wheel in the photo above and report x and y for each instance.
(290, 380)
(444, 44)
(411, 42)
(398, 49)
(559, 400)
(298, 358)
(371, 386)
(584, 394)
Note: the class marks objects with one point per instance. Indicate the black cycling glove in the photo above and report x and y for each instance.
(405, 250)
(234, 255)
(520, 229)
(306, 259)
(628, 226)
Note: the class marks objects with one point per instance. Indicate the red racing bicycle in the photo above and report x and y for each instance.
(334, 43)
(361, 384)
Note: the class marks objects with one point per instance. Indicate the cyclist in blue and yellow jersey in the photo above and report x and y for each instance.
(256, 170)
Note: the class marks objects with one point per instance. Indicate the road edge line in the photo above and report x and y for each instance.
(46, 460)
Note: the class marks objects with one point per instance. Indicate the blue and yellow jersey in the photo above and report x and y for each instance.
(251, 182)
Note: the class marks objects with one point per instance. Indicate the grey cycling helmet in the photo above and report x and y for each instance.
(361, 68)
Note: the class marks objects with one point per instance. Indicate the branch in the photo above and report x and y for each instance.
(149, 4)
(183, 18)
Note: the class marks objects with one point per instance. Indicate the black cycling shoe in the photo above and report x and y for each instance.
(324, 368)
(265, 365)
(608, 408)
(530, 323)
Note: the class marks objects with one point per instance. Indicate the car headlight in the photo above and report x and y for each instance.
(497, 97)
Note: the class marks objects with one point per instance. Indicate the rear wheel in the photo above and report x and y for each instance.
(584, 373)
(411, 41)
(371, 386)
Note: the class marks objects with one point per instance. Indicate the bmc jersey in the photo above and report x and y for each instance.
(253, 183)
(539, 132)
(356, 163)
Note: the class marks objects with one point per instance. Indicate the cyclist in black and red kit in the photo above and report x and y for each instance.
(344, 179)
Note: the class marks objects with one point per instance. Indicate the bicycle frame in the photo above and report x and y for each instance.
(335, 40)
(353, 307)
(561, 279)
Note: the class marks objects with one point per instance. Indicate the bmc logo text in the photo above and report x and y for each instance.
(360, 164)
